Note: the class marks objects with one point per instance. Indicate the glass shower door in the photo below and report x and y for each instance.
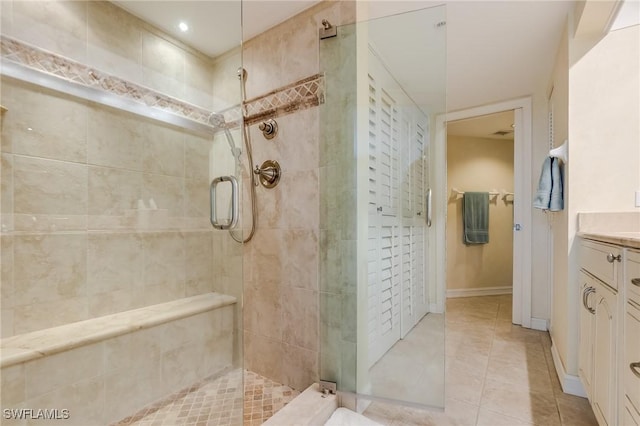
(382, 326)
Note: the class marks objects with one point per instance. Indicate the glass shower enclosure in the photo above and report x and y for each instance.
(116, 289)
(382, 321)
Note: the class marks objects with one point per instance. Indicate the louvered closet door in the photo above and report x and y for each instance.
(383, 249)
(398, 136)
(419, 233)
(414, 238)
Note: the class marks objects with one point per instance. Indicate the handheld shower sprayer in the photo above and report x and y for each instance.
(217, 120)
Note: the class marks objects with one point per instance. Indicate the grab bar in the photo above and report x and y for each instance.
(230, 223)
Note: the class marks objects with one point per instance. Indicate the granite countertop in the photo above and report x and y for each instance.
(627, 239)
(621, 228)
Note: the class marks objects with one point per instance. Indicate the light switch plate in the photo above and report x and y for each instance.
(637, 198)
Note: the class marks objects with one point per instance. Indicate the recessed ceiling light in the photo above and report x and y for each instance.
(183, 27)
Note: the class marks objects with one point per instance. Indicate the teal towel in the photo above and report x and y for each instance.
(475, 214)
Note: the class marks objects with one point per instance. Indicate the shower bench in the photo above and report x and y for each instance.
(103, 369)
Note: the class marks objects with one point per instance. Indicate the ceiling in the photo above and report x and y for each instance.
(484, 126)
(495, 50)
(213, 25)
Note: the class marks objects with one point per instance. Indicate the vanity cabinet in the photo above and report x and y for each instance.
(630, 369)
(604, 353)
(599, 327)
(585, 363)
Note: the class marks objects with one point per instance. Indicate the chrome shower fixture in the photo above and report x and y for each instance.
(242, 74)
(269, 173)
(269, 128)
(216, 120)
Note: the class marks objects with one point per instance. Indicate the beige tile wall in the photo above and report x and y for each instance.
(281, 263)
(74, 243)
(115, 378)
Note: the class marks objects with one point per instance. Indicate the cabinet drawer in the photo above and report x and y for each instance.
(593, 258)
(631, 355)
(632, 274)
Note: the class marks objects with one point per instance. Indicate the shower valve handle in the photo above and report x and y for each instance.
(269, 128)
(269, 173)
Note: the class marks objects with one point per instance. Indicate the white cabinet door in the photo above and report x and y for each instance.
(631, 365)
(585, 365)
(604, 341)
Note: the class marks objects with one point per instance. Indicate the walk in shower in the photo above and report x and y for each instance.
(125, 298)
(116, 290)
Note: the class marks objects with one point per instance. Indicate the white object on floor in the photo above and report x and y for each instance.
(345, 417)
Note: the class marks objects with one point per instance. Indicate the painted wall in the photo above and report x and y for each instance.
(479, 164)
(558, 222)
(604, 157)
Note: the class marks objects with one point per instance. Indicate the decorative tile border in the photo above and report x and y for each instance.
(75, 72)
(302, 94)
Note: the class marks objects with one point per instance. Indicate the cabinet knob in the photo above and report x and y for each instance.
(611, 258)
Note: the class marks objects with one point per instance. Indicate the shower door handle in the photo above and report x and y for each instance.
(428, 197)
(230, 223)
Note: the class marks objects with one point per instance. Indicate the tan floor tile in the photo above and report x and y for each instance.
(519, 375)
(464, 387)
(575, 411)
(217, 402)
(489, 418)
(520, 403)
(456, 413)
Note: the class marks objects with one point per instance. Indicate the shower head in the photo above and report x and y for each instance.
(217, 121)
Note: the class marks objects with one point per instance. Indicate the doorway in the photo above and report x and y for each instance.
(522, 118)
(480, 159)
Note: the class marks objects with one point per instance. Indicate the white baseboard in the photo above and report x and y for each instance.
(539, 324)
(479, 291)
(436, 308)
(570, 384)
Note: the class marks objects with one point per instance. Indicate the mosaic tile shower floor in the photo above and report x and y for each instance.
(218, 402)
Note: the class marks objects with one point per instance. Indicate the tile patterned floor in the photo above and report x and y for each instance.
(496, 374)
(218, 402)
